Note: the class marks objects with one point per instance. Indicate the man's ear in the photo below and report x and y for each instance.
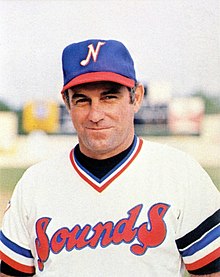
(139, 96)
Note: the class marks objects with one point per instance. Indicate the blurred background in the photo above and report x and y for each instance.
(176, 48)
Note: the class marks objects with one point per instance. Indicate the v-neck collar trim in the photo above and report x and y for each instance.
(105, 181)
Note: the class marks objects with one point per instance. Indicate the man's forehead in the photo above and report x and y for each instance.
(97, 85)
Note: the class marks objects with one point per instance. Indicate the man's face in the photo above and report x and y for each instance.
(102, 115)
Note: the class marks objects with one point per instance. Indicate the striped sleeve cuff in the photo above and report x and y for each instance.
(200, 248)
(16, 256)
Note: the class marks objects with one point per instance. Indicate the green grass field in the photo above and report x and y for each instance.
(9, 177)
(214, 173)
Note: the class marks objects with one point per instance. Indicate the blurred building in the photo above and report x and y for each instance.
(41, 115)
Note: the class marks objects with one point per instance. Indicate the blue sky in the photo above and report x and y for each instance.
(173, 41)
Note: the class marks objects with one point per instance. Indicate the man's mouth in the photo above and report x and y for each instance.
(98, 128)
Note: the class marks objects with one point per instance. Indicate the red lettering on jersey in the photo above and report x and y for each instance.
(73, 237)
(123, 231)
(58, 241)
(104, 231)
(42, 241)
(155, 235)
(148, 234)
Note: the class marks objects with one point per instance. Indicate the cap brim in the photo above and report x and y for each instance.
(99, 76)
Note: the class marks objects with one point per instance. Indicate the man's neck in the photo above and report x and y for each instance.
(99, 168)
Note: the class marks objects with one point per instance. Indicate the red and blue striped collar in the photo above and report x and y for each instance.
(103, 183)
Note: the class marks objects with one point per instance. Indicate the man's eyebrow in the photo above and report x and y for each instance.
(77, 95)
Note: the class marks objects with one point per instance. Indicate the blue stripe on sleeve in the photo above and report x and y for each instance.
(210, 237)
(14, 247)
(193, 236)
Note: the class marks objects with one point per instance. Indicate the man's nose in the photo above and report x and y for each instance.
(96, 112)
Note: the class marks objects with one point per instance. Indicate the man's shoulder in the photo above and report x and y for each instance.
(53, 164)
(166, 155)
(163, 149)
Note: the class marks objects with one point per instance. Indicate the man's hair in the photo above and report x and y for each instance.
(66, 97)
(132, 93)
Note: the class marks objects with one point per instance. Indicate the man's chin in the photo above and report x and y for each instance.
(98, 149)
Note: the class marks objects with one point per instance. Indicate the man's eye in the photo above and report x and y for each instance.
(80, 101)
(108, 97)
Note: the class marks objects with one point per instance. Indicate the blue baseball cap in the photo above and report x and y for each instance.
(97, 60)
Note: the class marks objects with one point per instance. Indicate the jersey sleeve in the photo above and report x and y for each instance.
(199, 232)
(14, 236)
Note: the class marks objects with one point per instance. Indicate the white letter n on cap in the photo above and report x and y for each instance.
(92, 53)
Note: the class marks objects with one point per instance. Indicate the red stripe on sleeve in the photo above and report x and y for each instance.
(204, 261)
(16, 265)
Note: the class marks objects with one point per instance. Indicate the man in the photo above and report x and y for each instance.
(115, 205)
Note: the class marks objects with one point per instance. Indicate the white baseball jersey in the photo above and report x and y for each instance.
(154, 213)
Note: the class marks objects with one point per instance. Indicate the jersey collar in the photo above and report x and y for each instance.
(105, 181)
